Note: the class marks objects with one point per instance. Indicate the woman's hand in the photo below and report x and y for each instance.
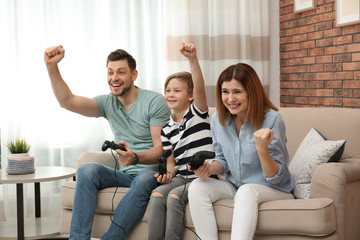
(204, 171)
(263, 138)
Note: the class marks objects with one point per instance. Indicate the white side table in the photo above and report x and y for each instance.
(39, 227)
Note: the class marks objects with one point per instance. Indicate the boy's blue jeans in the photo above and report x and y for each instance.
(92, 177)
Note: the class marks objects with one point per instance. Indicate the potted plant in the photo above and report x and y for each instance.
(19, 161)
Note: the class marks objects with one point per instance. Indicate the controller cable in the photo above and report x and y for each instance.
(113, 197)
(183, 206)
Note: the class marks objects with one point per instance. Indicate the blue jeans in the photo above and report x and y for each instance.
(92, 177)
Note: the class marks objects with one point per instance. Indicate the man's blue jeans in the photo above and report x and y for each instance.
(92, 177)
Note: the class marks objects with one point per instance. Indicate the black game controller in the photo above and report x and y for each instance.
(107, 144)
(198, 159)
(163, 161)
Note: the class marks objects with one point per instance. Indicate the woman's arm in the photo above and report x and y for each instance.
(263, 138)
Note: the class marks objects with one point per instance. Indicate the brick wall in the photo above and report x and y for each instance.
(319, 62)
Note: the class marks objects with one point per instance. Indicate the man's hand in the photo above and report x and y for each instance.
(126, 158)
(188, 50)
(53, 55)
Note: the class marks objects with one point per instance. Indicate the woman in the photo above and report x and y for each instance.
(250, 145)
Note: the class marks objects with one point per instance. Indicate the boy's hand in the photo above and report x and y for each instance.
(188, 50)
(163, 179)
(53, 55)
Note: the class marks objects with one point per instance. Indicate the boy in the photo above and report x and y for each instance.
(187, 132)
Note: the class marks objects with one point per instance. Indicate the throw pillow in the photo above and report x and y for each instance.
(313, 151)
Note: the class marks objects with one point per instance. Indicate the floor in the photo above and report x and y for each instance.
(64, 237)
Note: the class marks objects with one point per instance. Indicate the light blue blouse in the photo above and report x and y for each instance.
(238, 155)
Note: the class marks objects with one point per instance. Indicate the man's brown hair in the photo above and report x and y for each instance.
(121, 55)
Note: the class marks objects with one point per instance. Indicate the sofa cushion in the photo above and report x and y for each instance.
(104, 199)
(313, 151)
(307, 217)
(310, 217)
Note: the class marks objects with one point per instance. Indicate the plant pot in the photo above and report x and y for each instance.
(20, 163)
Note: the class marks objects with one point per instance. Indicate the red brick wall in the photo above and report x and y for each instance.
(319, 62)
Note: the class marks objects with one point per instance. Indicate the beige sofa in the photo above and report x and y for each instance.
(332, 212)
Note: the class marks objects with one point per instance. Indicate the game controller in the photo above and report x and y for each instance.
(198, 159)
(107, 144)
(163, 161)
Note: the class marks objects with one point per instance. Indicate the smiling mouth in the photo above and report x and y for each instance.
(234, 105)
(117, 85)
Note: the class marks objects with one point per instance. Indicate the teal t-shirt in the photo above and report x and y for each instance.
(133, 127)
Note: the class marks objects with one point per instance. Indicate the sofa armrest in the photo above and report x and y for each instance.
(104, 158)
(331, 179)
(340, 182)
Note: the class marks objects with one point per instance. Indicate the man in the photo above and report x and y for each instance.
(135, 116)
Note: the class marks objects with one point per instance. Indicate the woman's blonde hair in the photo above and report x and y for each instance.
(258, 102)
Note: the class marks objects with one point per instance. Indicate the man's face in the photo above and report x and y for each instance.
(120, 78)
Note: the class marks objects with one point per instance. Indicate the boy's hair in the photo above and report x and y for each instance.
(121, 55)
(258, 101)
(183, 77)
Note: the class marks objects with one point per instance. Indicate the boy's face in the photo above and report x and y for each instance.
(177, 96)
(120, 78)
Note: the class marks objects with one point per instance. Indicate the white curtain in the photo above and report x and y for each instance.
(225, 32)
(89, 31)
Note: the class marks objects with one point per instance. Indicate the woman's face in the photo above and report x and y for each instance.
(234, 97)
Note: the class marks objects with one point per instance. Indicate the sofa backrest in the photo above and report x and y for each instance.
(332, 123)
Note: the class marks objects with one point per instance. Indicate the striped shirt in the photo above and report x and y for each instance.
(188, 137)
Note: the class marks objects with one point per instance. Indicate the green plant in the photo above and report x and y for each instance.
(18, 146)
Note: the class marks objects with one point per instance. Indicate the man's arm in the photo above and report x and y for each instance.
(82, 105)
(151, 156)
